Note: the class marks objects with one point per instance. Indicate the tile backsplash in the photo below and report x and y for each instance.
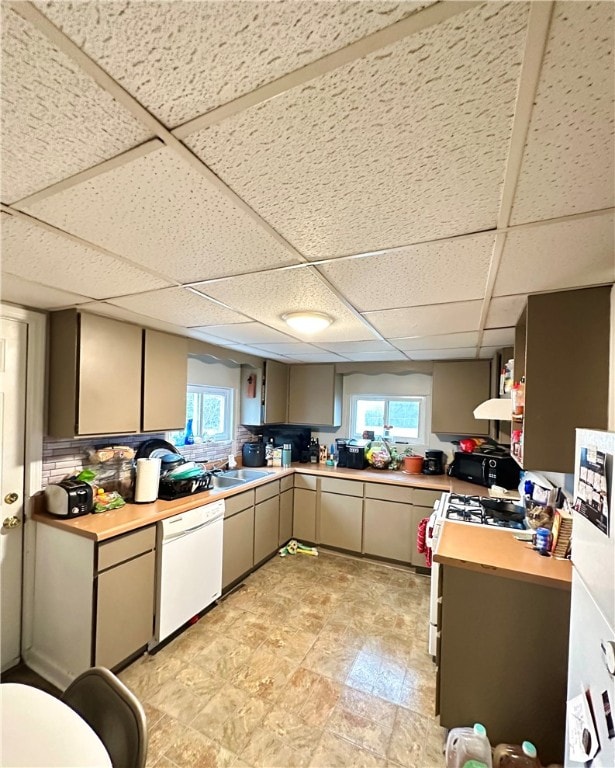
(62, 458)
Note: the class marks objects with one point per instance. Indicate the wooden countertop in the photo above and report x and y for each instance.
(496, 551)
(106, 525)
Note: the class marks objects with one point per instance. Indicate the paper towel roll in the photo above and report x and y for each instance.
(148, 477)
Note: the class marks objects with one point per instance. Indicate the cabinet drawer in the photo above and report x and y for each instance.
(241, 501)
(286, 483)
(388, 492)
(423, 497)
(112, 552)
(345, 487)
(308, 482)
(267, 491)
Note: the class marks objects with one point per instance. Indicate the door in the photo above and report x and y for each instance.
(13, 341)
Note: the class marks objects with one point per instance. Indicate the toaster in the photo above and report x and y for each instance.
(69, 498)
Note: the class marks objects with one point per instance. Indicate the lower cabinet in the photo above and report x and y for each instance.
(304, 515)
(388, 530)
(286, 517)
(266, 528)
(341, 520)
(238, 546)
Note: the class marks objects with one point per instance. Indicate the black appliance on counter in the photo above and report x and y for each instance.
(351, 453)
(433, 463)
(298, 437)
(486, 469)
(253, 455)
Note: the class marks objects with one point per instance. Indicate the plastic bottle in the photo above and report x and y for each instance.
(286, 455)
(468, 748)
(515, 756)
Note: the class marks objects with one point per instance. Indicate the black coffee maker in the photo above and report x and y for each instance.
(434, 463)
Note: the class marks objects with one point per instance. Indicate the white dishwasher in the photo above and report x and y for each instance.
(189, 566)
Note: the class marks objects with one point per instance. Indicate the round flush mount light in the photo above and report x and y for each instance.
(307, 322)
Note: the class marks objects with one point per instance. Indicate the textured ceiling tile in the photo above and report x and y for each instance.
(19, 291)
(427, 320)
(405, 144)
(358, 357)
(249, 333)
(560, 255)
(348, 348)
(445, 341)
(498, 337)
(488, 352)
(294, 348)
(442, 354)
(120, 313)
(317, 357)
(568, 166)
(269, 295)
(454, 270)
(35, 253)
(505, 310)
(181, 59)
(157, 210)
(55, 120)
(179, 306)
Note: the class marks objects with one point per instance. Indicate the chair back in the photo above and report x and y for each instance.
(113, 712)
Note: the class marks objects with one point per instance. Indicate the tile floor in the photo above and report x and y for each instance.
(312, 662)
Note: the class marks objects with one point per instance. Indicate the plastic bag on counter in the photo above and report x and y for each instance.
(378, 454)
(106, 501)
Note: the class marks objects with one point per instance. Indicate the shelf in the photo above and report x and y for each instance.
(517, 460)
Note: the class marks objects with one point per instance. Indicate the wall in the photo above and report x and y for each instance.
(66, 457)
(404, 384)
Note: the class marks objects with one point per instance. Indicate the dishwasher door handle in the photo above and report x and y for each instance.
(175, 536)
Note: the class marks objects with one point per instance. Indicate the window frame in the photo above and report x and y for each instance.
(228, 393)
(421, 439)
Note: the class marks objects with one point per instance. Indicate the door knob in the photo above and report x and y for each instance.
(11, 522)
(11, 498)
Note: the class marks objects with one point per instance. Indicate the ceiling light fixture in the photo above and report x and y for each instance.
(307, 322)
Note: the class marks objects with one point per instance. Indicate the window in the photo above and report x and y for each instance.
(405, 415)
(211, 411)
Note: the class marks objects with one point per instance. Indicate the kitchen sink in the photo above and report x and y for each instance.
(245, 475)
(222, 483)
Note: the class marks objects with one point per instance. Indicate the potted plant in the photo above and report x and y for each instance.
(413, 463)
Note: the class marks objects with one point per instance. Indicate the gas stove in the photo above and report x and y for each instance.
(470, 509)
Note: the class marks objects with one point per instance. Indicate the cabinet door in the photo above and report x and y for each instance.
(304, 515)
(165, 381)
(388, 530)
(125, 610)
(266, 528)
(341, 519)
(458, 387)
(109, 376)
(314, 395)
(286, 517)
(238, 546)
(276, 392)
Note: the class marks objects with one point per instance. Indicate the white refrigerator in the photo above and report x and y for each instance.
(590, 734)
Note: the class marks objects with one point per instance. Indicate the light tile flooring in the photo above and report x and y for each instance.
(314, 661)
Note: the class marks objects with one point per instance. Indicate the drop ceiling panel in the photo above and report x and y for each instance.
(420, 274)
(55, 120)
(568, 165)
(295, 348)
(499, 337)
(445, 341)
(357, 357)
(505, 310)
(181, 59)
(428, 320)
(179, 306)
(442, 354)
(405, 144)
(159, 211)
(35, 253)
(560, 255)
(317, 357)
(347, 348)
(248, 333)
(269, 295)
(19, 291)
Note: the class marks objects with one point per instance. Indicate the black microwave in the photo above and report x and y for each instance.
(486, 469)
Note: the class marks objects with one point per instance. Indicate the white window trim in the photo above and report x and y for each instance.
(422, 399)
(229, 393)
